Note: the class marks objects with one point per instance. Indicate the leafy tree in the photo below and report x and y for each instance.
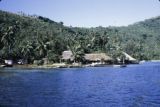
(37, 37)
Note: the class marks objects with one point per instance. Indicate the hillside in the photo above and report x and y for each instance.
(36, 37)
(147, 35)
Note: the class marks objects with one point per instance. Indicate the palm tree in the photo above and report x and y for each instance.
(77, 50)
(8, 39)
(26, 50)
(42, 48)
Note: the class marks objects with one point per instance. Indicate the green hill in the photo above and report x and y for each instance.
(36, 37)
(146, 34)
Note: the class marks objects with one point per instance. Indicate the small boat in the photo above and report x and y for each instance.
(143, 61)
(2, 66)
(122, 65)
(97, 64)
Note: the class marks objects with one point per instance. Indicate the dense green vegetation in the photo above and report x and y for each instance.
(36, 37)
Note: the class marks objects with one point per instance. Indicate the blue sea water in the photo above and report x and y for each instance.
(131, 86)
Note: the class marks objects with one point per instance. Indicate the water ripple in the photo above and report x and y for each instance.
(134, 86)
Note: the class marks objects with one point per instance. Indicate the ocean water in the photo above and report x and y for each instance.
(131, 86)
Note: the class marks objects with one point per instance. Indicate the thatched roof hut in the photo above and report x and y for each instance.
(67, 55)
(129, 57)
(97, 57)
(92, 57)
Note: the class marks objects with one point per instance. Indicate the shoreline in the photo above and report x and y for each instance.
(48, 66)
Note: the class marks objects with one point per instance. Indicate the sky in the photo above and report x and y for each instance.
(87, 13)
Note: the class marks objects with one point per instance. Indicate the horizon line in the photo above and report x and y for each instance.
(21, 13)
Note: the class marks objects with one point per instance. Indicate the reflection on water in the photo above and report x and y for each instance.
(133, 86)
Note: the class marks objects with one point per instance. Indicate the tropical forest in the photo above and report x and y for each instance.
(33, 37)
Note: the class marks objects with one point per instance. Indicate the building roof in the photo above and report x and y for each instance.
(97, 57)
(129, 57)
(66, 55)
